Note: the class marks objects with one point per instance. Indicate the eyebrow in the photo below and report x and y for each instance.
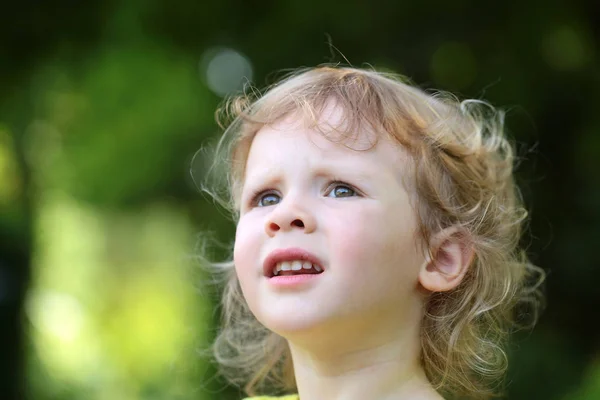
(272, 175)
(262, 176)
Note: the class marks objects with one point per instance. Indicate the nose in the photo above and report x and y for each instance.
(290, 215)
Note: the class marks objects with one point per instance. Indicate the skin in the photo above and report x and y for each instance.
(354, 332)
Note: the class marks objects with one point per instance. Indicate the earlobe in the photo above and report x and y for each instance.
(451, 256)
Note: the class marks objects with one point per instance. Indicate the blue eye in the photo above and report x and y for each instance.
(336, 190)
(341, 190)
(266, 199)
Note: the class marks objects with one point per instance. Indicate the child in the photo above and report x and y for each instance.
(376, 251)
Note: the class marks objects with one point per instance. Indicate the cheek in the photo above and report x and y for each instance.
(246, 248)
(377, 239)
(246, 259)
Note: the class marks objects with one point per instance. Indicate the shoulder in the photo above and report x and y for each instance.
(288, 397)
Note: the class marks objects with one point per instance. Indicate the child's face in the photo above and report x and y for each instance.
(363, 230)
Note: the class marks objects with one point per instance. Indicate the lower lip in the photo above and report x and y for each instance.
(292, 280)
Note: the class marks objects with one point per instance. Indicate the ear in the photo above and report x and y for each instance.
(452, 252)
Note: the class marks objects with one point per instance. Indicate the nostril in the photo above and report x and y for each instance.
(298, 223)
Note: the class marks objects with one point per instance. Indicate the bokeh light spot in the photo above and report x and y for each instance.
(564, 49)
(57, 314)
(226, 70)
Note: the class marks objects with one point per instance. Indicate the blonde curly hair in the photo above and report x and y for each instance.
(462, 168)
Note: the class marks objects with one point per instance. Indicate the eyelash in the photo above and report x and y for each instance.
(260, 192)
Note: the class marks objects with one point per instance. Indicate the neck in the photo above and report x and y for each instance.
(359, 363)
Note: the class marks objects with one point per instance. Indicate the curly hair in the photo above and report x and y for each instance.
(462, 175)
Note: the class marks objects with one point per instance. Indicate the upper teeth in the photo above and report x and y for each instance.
(295, 265)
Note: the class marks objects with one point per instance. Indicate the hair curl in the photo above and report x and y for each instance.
(462, 176)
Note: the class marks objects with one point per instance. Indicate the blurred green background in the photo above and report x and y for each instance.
(103, 105)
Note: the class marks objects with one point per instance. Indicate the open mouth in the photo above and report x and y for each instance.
(296, 267)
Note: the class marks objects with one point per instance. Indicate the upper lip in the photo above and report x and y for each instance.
(289, 254)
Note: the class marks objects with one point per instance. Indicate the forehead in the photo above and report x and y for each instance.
(324, 141)
(332, 123)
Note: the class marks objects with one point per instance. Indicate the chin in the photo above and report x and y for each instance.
(291, 324)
